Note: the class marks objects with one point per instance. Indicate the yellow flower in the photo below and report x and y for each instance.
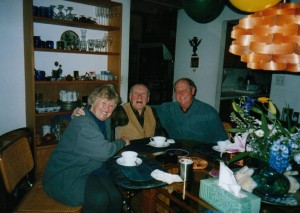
(263, 100)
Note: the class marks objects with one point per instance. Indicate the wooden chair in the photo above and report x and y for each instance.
(16, 162)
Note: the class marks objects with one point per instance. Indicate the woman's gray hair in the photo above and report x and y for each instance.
(105, 92)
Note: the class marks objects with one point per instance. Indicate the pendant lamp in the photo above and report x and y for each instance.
(270, 39)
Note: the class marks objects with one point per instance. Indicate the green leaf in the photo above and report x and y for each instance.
(238, 157)
(234, 130)
(257, 110)
(264, 125)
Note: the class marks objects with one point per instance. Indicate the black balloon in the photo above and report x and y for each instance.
(203, 11)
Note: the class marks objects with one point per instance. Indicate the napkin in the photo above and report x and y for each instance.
(228, 182)
(165, 177)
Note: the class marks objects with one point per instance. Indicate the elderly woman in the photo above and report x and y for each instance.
(75, 174)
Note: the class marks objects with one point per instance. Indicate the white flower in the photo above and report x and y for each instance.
(258, 122)
(270, 126)
(250, 130)
(297, 158)
(240, 142)
(259, 133)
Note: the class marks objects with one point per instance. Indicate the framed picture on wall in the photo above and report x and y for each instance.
(194, 62)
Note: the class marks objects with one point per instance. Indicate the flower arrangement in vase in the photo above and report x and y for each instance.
(259, 134)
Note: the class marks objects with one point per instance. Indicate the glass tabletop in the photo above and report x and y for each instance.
(134, 177)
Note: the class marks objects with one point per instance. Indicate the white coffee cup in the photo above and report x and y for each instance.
(129, 157)
(46, 130)
(158, 140)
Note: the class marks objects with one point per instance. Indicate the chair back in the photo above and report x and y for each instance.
(16, 159)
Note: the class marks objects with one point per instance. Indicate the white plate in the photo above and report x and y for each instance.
(216, 148)
(165, 144)
(120, 161)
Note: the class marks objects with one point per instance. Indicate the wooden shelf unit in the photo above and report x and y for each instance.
(50, 89)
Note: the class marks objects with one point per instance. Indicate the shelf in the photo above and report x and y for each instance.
(52, 113)
(74, 51)
(45, 20)
(51, 145)
(74, 82)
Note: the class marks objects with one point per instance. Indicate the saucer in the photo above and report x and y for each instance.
(165, 144)
(120, 161)
(170, 141)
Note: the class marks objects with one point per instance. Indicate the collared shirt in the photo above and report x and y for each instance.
(139, 117)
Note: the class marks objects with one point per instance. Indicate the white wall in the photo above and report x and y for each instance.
(206, 76)
(12, 81)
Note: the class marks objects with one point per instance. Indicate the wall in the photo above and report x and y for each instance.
(209, 50)
(12, 81)
(207, 76)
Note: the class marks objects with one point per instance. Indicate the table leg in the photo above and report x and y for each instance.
(148, 199)
(127, 195)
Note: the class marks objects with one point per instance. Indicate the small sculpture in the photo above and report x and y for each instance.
(194, 42)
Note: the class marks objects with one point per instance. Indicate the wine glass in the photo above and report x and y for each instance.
(52, 7)
(91, 44)
(97, 13)
(66, 12)
(69, 16)
(103, 44)
(60, 14)
(97, 45)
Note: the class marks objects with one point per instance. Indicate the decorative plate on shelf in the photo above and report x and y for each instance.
(71, 39)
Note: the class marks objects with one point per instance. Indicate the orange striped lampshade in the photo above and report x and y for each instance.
(270, 39)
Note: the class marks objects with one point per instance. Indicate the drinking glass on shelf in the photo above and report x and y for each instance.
(52, 8)
(69, 16)
(91, 44)
(97, 44)
(102, 15)
(83, 33)
(83, 45)
(103, 45)
(60, 14)
(97, 13)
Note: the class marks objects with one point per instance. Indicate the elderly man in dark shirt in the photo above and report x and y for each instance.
(188, 118)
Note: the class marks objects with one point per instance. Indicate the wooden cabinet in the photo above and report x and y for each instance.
(50, 89)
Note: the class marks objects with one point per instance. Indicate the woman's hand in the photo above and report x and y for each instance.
(77, 112)
(126, 139)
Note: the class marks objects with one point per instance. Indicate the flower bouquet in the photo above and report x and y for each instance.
(259, 134)
(266, 138)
